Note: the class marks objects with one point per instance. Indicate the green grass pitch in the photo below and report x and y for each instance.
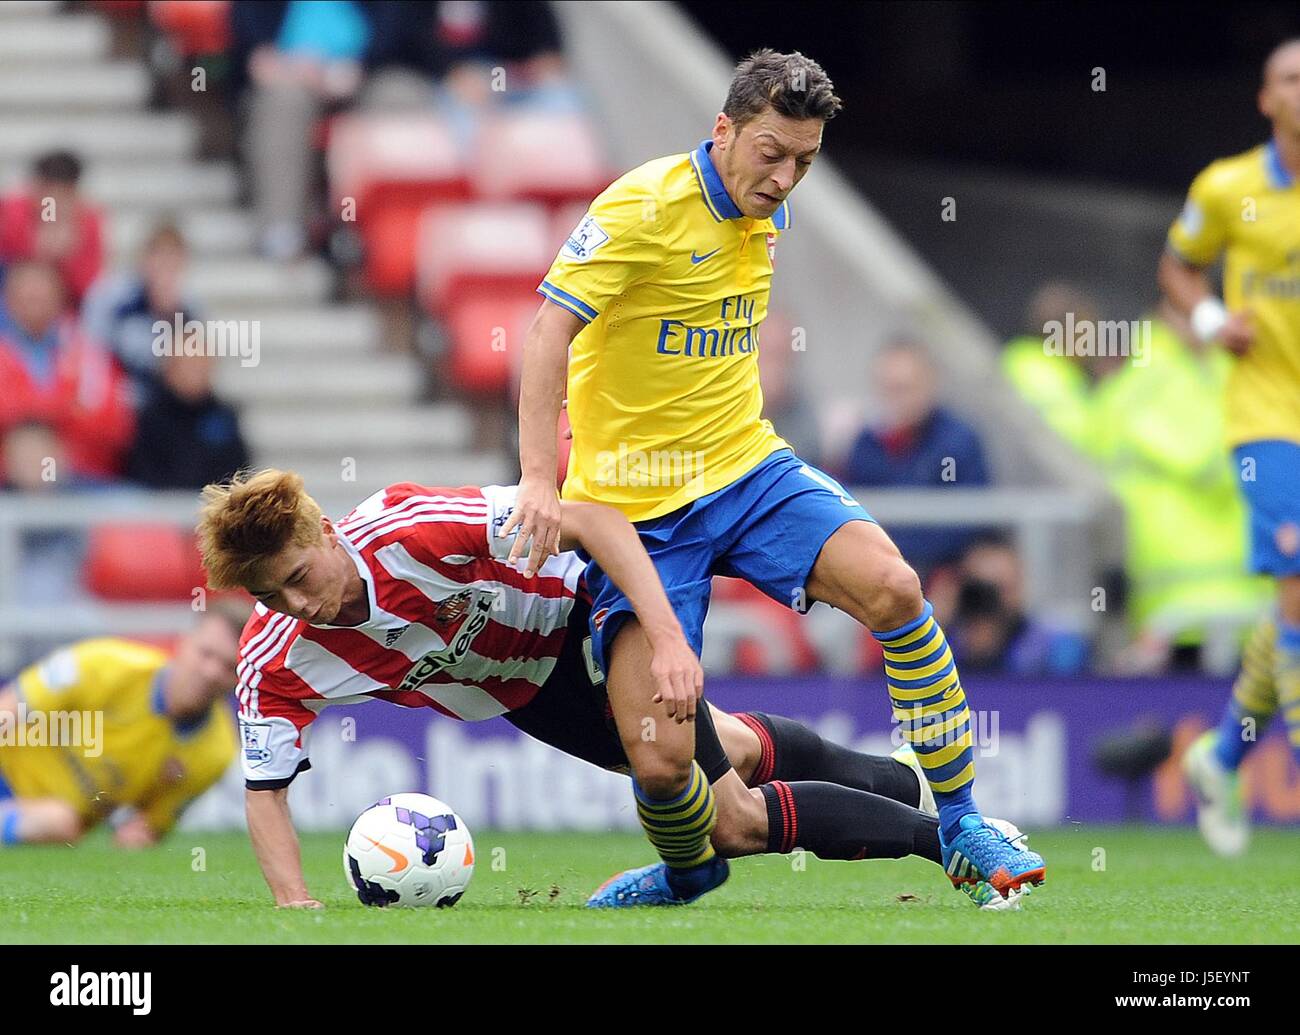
(1151, 885)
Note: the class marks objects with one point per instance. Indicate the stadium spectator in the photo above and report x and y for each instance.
(1149, 416)
(54, 375)
(983, 605)
(121, 310)
(915, 443)
(30, 456)
(49, 561)
(48, 220)
(298, 57)
(784, 403)
(1157, 433)
(1057, 384)
(484, 52)
(186, 436)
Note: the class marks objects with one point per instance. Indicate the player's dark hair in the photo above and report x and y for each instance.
(1294, 41)
(789, 84)
(58, 167)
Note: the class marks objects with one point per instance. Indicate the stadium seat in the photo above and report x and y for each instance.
(195, 27)
(480, 246)
(778, 641)
(391, 167)
(119, 8)
(544, 156)
(142, 562)
(486, 329)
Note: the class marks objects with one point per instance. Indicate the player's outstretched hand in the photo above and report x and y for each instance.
(537, 517)
(135, 833)
(302, 903)
(678, 678)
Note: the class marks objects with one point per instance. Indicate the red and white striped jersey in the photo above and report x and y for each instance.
(452, 626)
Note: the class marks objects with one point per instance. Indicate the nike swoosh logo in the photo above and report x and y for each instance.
(400, 862)
(697, 259)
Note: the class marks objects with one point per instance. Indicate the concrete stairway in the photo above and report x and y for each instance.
(326, 398)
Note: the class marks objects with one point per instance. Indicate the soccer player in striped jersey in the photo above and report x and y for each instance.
(1246, 209)
(661, 290)
(409, 599)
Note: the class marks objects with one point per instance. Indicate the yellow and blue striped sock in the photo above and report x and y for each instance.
(930, 706)
(1286, 673)
(1254, 696)
(679, 828)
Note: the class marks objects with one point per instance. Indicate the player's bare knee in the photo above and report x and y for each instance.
(660, 776)
(895, 597)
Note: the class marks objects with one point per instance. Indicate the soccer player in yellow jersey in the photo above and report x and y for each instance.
(1246, 209)
(661, 290)
(108, 724)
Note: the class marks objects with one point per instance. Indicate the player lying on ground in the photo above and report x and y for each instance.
(409, 599)
(660, 290)
(1247, 209)
(153, 733)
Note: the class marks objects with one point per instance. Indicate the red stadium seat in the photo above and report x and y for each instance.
(119, 8)
(480, 246)
(389, 235)
(544, 156)
(388, 169)
(142, 562)
(486, 329)
(195, 27)
(778, 632)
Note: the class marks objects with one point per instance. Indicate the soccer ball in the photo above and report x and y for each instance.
(409, 850)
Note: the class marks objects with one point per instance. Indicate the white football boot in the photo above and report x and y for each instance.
(1220, 812)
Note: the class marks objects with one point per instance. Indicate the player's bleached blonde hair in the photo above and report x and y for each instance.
(251, 518)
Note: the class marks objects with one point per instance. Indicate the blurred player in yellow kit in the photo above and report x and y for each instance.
(1247, 209)
(109, 724)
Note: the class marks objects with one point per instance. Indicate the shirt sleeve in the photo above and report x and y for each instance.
(443, 522)
(617, 243)
(52, 683)
(272, 727)
(501, 504)
(85, 676)
(1200, 232)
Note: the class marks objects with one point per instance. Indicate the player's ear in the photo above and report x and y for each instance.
(722, 130)
(328, 531)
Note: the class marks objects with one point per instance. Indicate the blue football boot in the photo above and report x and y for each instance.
(648, 886)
